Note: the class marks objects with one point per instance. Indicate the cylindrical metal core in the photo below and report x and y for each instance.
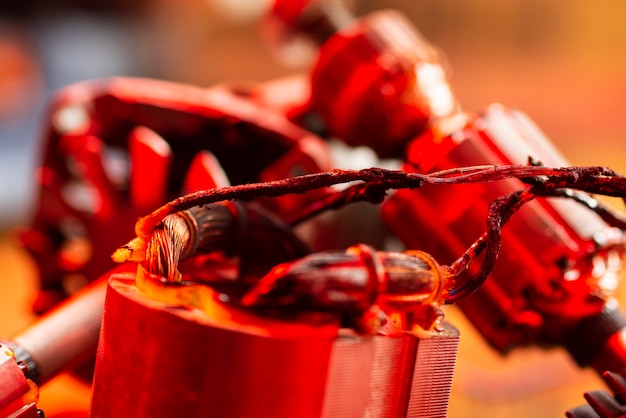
(161, 360)
(156, 360)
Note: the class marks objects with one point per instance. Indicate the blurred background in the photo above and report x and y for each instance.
(563, 63)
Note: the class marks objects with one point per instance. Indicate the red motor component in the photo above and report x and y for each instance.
(18, 395)
(119, 148)
(159, 356)
(178, 361)
(559, 266)
(122, 148)
(378, 82)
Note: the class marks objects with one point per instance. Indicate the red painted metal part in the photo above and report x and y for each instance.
(66, 337)
(219, 361)
(177, 361)
(372, 83)
(559, 262)
(17, 394)
(116, 149)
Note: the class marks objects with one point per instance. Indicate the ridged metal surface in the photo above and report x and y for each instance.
(391, 377)
(433, 373)
(347, 387)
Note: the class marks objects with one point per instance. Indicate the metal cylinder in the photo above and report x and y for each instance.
(156, 360)
(66, 336)
(161, 359)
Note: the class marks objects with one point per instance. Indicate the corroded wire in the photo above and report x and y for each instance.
(564, 182)
(390, 179)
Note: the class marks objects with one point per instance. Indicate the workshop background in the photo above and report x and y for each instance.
(563, 63)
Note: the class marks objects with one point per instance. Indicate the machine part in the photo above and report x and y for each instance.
(408, 287)
(228, 228)
(18, 394)
(116, 149)
(95, 134)
(561, 262)
(176, 360)
(64, 337)
(406, 375)
(602, 345)
(378, 82)
(601, 404)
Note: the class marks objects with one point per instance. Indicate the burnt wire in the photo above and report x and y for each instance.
(374, 183)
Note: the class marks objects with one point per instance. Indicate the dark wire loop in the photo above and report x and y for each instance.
(501, 210)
